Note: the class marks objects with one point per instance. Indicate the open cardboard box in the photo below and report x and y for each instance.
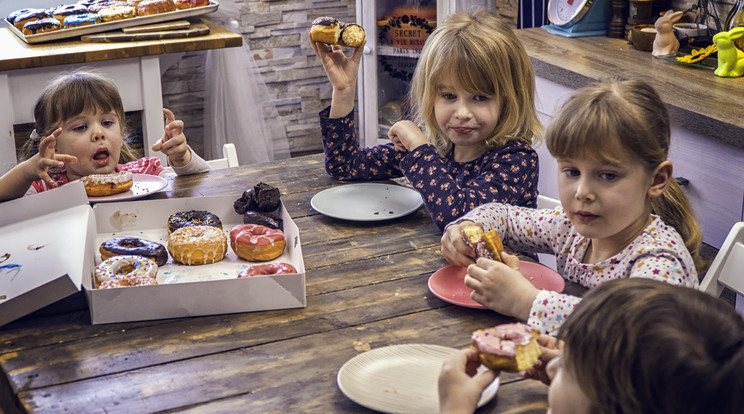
(51, 242)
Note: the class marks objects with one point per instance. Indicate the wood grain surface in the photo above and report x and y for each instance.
(169, 33)
(366, 288)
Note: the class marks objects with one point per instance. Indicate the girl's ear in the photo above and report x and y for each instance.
(660, 180)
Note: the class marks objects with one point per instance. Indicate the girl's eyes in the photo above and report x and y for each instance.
(80, 128)
(107, 123)
(608, 176)
(481, 98)
(447, 95)
(571, 172)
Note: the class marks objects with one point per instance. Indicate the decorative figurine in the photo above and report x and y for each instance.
(730, 59)
(665, 42)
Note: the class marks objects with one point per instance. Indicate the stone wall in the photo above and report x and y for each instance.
(276, 31)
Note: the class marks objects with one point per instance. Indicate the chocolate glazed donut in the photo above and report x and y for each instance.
(124, 246)
(192, 218)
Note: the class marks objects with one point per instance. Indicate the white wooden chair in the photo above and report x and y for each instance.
(727, 269)
(229, 158)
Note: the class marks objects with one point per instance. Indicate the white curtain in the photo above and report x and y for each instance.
(238, 105)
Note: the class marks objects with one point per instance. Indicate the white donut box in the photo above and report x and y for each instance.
(49, 250)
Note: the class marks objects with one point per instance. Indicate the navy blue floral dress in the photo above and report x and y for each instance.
(450, 189)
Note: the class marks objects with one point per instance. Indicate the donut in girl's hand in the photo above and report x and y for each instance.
(257, 243)
(267, 269)
(512, 347)
(123, 246)
(128, 270)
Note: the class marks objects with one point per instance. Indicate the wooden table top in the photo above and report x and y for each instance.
(698, 100)
(366, 289)
(17, 54)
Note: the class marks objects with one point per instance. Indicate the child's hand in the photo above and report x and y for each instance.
(37, 167)
(501, 287)
(551, 348)
(342, 71)
(459, 386)
(406, 136)
(173, 143)
(454, 249)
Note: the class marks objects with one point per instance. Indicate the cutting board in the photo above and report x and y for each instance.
(194, 30)
(174, 25)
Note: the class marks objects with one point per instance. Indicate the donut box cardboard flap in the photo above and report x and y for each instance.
(46, 248)
(184, 290)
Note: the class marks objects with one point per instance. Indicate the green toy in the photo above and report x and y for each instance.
(730, 59)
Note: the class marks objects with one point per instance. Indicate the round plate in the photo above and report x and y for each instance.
(399, 378)
(567, 12)
(367, 201)
(142, 185)
(448, 283)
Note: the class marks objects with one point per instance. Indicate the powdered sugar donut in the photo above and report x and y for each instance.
(127, 267)
(97, 185)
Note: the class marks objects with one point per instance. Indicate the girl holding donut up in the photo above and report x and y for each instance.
(80, 131)
(623, 215)
(473, 91)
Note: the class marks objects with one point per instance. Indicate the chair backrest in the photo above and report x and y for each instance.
(727, 269)
(229, 158)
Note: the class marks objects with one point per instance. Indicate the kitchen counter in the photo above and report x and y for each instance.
(698, 100)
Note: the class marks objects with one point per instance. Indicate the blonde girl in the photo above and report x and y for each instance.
(473, 95)
(80, 130)
(622, 215)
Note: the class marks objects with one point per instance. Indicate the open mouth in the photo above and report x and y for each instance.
(462, 130)
(101, 157)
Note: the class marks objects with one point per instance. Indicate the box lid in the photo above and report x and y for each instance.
(46, 246)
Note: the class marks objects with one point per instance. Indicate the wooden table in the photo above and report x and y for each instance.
(366, 289)
(25, 69)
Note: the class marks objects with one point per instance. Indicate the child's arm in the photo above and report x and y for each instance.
(459, 386)
(16, 182)
(173, 143)
(407, 136)
(342, 71)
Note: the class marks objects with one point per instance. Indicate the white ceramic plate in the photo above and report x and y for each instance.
(367, 201)
(399, 378)
(142, 185)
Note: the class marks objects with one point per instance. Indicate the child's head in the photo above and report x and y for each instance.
(480, 54)
(624, 123)
(644, 346)
(72, 95)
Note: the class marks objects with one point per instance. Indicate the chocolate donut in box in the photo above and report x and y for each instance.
(39, 266)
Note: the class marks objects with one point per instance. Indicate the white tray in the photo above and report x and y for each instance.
(117, 24)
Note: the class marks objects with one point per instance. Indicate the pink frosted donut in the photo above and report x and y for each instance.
(267, 269)
(254, 242)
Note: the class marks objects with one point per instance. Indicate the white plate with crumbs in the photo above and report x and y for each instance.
(142, 185)
(367, 201)
(399, 378)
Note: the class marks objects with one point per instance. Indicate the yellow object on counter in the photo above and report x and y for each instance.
(698, 54)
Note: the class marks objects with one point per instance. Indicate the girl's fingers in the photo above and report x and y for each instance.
(169, 117)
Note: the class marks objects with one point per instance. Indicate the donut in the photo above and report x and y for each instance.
(192, 218)
(28, 15)
(270, 220)
(352, 35)
(326, 30)
(68, 10)
(257, 243)
(485, 244)
(41, 26)
(116, 282)
(150, 7)
(196, 245)
(97, 185)
(267, 269)
(127, 270)
(78, 20)
(511, 347)
(14, 15)
(117, 13)
(99, 6)
(125, 246)
(187, 4)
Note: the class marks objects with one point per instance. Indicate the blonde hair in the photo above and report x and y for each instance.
(644, 346)
(620, 116)
(70, 95)
(485, 57)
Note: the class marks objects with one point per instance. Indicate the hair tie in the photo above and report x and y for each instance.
(33, 135)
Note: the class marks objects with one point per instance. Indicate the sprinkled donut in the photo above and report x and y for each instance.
(125, 246)
(196, 245)
(97, 185)
(254, 242)
(192, 218)
(126, 269)
(267, 269)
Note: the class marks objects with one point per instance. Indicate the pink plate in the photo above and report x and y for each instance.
(448, 283)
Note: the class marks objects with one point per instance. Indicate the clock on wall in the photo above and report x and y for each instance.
(574, 18)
